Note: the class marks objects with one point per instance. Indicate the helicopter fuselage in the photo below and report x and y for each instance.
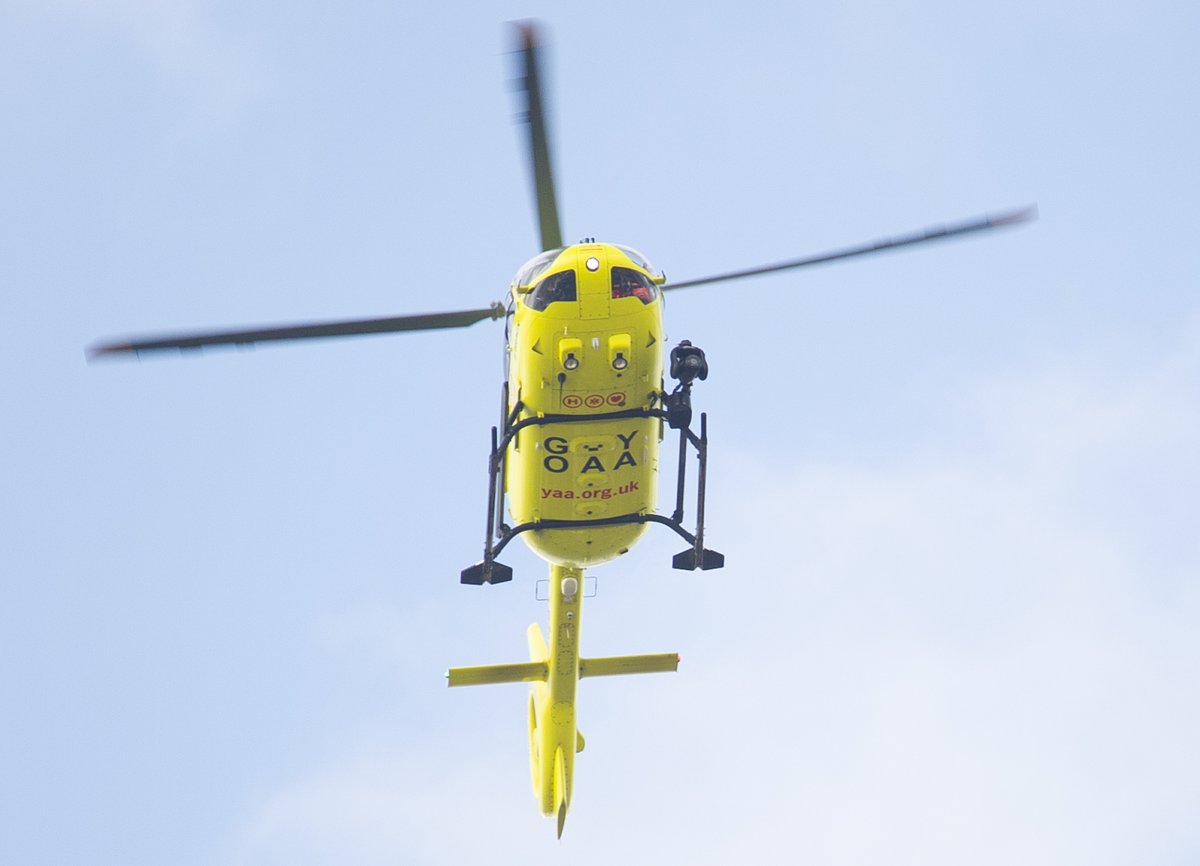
(585, 341)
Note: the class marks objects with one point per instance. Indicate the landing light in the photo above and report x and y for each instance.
(593, 263)
(619, 362)
(571, 362)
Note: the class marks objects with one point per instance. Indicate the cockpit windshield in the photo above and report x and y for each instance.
(638, 259)
(628, 283)
(534, 268)
(556, 287)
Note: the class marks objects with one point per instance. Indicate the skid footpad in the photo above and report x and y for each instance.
(687, 560)
(486, 572)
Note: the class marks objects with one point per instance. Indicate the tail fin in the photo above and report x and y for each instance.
(538, 650)
(560, 789)
(538, 653)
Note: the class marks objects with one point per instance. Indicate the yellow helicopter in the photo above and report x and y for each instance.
(575, 458)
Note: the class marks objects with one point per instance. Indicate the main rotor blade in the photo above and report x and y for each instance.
(346, 328)
(539, 148)
(933, 233)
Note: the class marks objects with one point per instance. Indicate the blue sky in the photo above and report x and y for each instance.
(954, 487)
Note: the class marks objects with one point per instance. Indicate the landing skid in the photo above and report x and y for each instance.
(488, 571)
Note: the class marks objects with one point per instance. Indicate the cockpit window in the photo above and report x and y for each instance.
(556, 287)
(626, 282)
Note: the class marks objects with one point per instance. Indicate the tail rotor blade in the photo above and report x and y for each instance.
(933, 233)
(248, 336)
(539, 147)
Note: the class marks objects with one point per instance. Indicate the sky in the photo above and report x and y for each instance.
(954, 486)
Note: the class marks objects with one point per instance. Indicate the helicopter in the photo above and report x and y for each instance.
(575, 459)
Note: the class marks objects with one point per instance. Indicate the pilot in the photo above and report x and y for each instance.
(556, 287)
(626, 283)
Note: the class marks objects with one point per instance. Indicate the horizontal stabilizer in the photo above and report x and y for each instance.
(486, 675)
(616, 665)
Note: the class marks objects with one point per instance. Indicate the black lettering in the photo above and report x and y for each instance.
(626, 441)
(559, 445)
(555, 463)
(593, 465)
(626, 459)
